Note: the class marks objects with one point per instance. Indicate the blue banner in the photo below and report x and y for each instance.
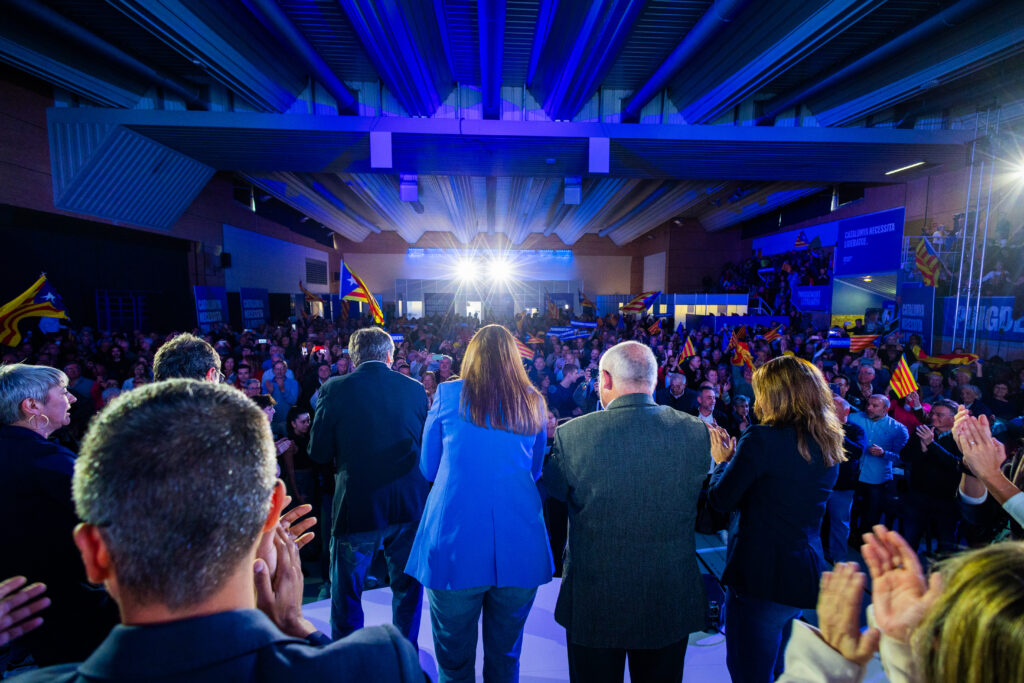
(994, 320)
(580, 323)
(398, 338)
(870, 243)
(555, 331)
(813, 298)
(211, 306)
(255, 307)
(917, 309)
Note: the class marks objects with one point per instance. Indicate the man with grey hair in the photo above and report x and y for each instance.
(632, 471)
(368, 425)
(176, 489)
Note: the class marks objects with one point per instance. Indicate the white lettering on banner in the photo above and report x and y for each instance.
(212, 317)
(916, 310)
(250, 314)
(208, 304)
(252, 303)
(913, 324)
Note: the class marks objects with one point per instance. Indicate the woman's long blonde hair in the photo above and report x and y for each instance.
(496, 391)
(974, 633)
(790, 392)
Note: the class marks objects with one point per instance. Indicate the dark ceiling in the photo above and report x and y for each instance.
(509, 116)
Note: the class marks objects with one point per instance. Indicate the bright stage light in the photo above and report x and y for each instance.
(467, 270)
(500, 270)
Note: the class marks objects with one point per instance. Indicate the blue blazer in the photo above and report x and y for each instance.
(483, 524)
(774, 542)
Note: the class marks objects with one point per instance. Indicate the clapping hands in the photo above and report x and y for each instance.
(900, 594)
(722, 445)
(18, 606)
(839, 602)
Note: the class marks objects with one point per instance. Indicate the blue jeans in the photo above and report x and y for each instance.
(839, 505)
(756, 633)
(351, 556)
(453, 618)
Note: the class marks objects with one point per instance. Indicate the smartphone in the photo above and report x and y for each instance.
(437, 356)
(261, 341)
(305, 351)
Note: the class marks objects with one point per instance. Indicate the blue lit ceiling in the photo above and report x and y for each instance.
(512, 117)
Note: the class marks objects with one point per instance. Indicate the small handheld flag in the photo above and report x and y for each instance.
(927, 262)
(859, 342)
(902, 382)
(688, 349)
(772, 333)
(655, 328)
(525, 352)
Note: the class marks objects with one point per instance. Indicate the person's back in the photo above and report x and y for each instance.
(176, 489)
(637, 470)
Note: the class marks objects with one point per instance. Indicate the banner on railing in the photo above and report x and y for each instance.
(917, 310)
(994, 319)
(813, 298)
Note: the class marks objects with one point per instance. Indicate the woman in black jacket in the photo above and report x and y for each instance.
(778, 481)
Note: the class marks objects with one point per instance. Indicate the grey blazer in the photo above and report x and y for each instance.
(631, 475)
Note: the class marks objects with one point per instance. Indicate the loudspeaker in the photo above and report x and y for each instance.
(225, 260)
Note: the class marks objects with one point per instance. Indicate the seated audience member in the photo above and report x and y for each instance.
(964, 623)
(177, 546)
(35, 502)
(1002, 404)
(189, 357)
(971, 396)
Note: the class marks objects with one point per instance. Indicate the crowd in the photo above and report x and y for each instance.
(382, 435)
(772, 278)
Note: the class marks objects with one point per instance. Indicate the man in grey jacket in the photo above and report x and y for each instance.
(631, 475)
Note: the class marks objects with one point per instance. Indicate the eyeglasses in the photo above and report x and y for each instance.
(220, 375)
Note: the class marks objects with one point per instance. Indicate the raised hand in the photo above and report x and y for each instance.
(18, 605)
(723, 446)
(839, 603)
(900, 594)
(279, 592)
(983, 454)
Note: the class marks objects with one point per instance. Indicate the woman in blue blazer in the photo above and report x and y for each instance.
(778, 481)
(481, 543)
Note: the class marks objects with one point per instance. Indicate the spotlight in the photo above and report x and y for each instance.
(500, 270)
(467, 270)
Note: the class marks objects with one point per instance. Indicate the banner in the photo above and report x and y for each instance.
(917, 310)
(211, 306)
(994, 320)
(813, 298)
(580, 323)
(398, 338)
(870, 243)
(255, 307)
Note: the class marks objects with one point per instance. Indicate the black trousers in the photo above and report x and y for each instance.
(606, 665)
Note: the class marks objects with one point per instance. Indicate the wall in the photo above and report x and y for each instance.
(848, 300)
(268, 263)
(654, 272)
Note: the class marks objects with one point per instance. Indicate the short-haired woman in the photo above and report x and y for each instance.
(779, 480)
(481, 544)
(35, 480)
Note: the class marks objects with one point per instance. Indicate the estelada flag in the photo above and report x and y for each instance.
(354, 289)
(40, 300)
(688, 349)
(902, 382)
(859, 342)
(640, 303)
(525, 351)
(655, 328)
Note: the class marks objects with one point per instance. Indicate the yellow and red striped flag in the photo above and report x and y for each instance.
(38, 301)
(525, 352)
(354, 289)
(640, 303)
(772, 333)
(859, 342)
(927, 262)
(688, 349)
(742, 352)
(535, 339)
(944, 359)
(902, 382)
(655, 328)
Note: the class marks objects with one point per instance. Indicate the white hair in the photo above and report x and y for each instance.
(631, 363)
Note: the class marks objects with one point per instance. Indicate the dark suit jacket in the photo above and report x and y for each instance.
(774, 542)
(369, 424)
(632, 475)
(685, 403)
(935, 472)
(35, 542)
(238, 646)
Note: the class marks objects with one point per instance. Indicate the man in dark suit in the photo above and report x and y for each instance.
(177, 543)
(369, 425)
(639, 598)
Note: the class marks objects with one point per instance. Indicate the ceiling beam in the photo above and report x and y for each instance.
(491, 17)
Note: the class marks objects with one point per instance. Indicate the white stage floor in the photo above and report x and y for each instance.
(544, 659)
